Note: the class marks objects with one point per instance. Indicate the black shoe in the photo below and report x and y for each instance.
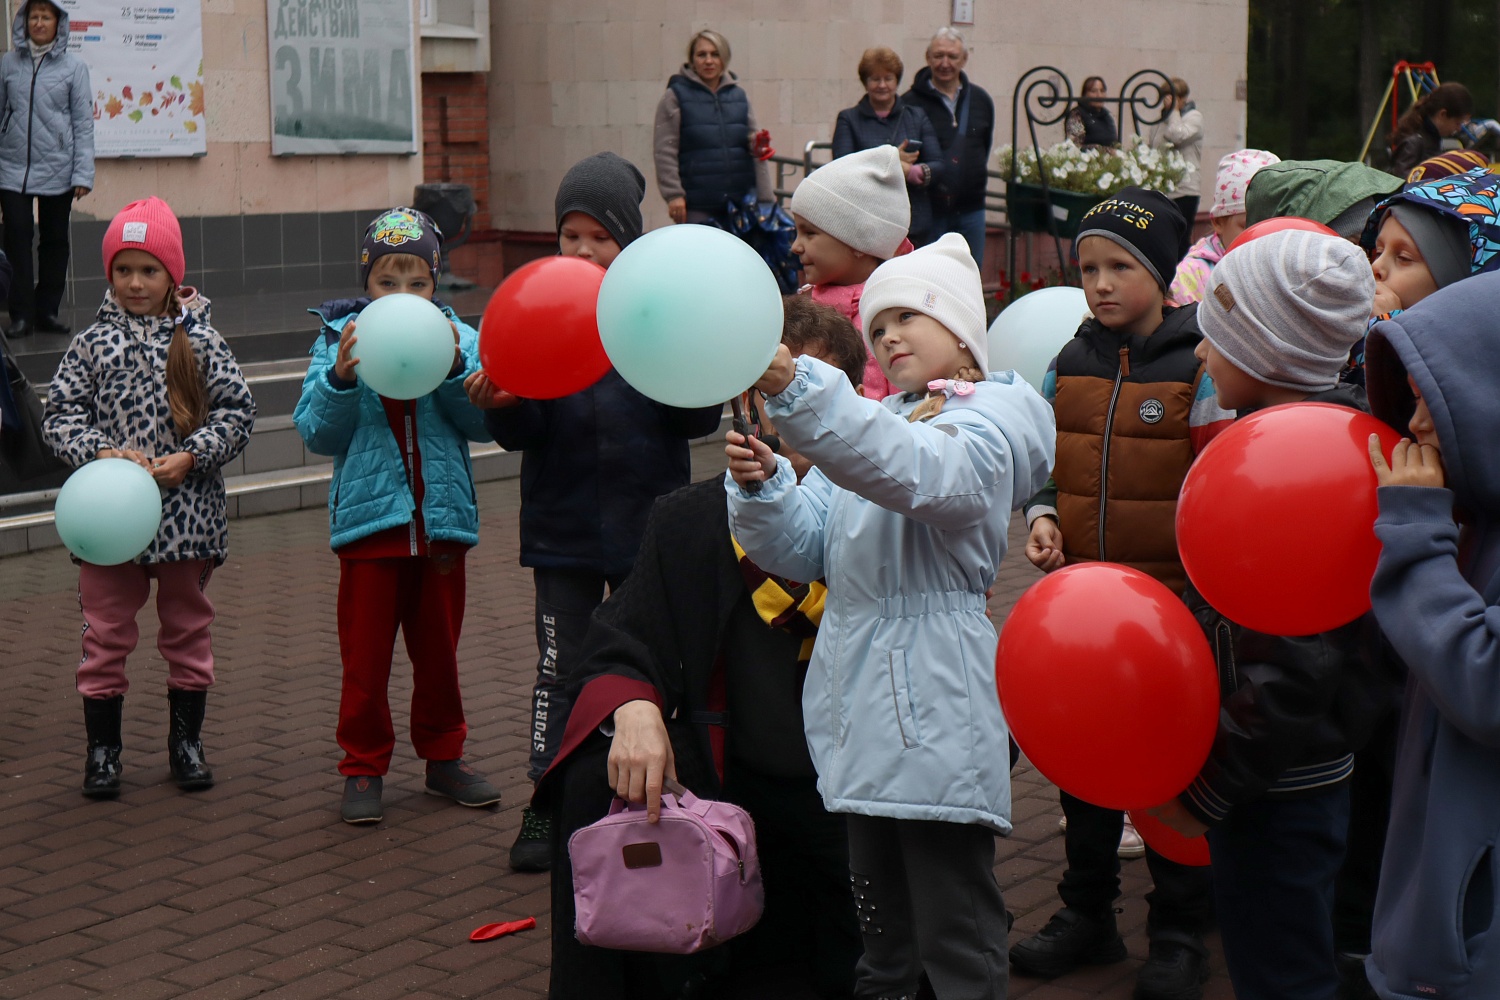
(50, 324)
(1354, 984)
(101, 769)
(1176, 968)
(184, 740)
(453, 779)
(532, 851)
(1069, 940)
(362, 799)
(19, 328)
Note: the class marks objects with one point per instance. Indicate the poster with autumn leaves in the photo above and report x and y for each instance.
(146, 67)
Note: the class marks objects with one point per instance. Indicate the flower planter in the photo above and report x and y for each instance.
(1027, 209)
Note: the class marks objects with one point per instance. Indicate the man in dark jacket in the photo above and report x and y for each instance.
(694, 669)
(963, 116)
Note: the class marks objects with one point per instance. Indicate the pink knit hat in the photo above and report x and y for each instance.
(147, 225)
(1235, 171)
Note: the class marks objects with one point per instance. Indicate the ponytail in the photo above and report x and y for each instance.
(933, 404)
(1453, 98)
(187, 395)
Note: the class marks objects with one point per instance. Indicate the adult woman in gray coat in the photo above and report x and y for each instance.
(46, 155)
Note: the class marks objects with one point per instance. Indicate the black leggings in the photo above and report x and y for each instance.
(40, 293)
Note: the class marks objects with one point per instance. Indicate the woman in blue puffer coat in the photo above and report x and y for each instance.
(46, 155)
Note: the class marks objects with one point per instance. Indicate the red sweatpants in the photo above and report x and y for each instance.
(424, 597)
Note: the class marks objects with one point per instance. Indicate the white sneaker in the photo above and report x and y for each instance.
(1131, 844)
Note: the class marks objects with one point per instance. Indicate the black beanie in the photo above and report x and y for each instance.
(1146, 223)
(608, 189)
(401, 230)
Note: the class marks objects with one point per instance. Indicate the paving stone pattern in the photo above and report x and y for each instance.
(255, 888)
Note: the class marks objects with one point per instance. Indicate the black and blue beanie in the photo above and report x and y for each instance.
(401, 230)
(1146, 224)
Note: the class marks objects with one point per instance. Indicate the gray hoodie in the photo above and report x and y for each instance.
(1436, 595)
(46, 115)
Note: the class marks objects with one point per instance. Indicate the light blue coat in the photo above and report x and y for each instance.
(370, 491)
(46, 115)
(907, 524)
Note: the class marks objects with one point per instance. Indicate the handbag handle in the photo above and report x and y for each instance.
(673, 795)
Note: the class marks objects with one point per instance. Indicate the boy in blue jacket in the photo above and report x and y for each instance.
(1431, 371)
(402, 516)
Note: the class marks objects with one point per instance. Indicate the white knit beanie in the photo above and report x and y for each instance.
(860, 200)
(1286, 308)
(1233, 180)
(939, 280)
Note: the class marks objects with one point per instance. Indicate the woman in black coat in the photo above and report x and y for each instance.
(883, 118)
(1090, 123)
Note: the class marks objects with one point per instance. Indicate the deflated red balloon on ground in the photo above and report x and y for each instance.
(539, 337)
(1109, 685)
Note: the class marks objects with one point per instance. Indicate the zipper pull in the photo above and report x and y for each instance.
(1125, 361)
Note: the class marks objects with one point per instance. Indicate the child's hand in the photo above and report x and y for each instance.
(750, 459)
(486, 395)
(139, 458)
(1385, 300)
(780, 374)
(908, 157)
(173, 469)
(1411, 464)
(344, 366)
(1044, 546)
(1176, 815)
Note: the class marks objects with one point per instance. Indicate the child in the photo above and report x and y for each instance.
(1432, 234)
(1134, 407)
(926, 482)
(851, 214)
(1432, 371)
(594, 463)
(402, 517)
(1273, 796)
(1228, 217)
(1337, 194)
(153, 382)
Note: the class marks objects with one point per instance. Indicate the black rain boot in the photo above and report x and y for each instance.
(184, 744)
(101, 769)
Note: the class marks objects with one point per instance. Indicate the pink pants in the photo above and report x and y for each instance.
(110, 597)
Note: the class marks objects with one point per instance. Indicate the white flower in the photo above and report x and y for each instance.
(1106, 181)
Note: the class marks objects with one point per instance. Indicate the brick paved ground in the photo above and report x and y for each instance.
(255, 888)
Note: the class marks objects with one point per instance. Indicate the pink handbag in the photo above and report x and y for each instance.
(688, 882)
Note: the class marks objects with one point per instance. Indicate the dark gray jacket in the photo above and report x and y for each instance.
(47, 128)
(860, 128)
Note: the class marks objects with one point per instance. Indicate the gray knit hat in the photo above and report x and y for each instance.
(860, 200)
(1286, 308)
(607, 188)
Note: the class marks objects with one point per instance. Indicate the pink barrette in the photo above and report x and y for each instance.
(952, 386)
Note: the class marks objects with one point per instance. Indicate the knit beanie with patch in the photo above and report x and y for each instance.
(148, 225)
(401, 230)
(1287, 308)
(608, 189)
(860, 200)
(939, 280)
(1233, 180)
(1143, 222)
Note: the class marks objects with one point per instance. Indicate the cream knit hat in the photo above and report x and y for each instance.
(939, 280)
(860, 200)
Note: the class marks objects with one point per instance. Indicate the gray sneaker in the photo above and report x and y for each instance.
(362, 799)
(453, 779)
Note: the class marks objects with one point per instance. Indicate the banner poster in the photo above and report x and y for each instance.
(342, 76)
(146, 69)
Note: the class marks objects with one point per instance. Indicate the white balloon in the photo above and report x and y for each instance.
(1029, 332)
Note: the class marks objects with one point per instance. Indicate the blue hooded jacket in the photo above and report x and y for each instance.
(47, 128)
(1436, 595)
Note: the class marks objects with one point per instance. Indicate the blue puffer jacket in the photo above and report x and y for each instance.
(907, 523)
(714, 155)
(370, 491)
(47, 132)
(1436, 595)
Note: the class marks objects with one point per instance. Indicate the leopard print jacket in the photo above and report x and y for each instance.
(110, 391)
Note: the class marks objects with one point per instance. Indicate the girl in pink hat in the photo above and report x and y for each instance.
(151, 381)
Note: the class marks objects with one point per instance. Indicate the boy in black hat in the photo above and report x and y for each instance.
(1133, 406)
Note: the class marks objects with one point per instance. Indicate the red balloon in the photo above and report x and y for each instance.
(1167, 842)
(539, 338)
(1276, 519)
(1109, 685)
(1276, 225)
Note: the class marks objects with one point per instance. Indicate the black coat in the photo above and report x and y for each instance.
(860, 128)
(594, 463)
(968, 156)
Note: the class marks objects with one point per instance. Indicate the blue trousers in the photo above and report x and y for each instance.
(969, 225)
(1274, 865)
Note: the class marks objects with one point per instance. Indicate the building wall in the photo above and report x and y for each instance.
(573, 77)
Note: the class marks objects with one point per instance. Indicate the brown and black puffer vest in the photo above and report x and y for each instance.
(1123, 449)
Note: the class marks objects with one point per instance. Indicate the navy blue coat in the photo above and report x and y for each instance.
(594, 463)
(968, 155)
(860, 128)
(714, 155)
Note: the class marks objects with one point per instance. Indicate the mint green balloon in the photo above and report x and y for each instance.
(690, 315)
(404, 344)
(108, 511)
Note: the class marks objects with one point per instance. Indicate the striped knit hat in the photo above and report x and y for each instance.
(1286, 308)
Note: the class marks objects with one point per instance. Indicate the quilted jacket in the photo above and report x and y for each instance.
(47, 132)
